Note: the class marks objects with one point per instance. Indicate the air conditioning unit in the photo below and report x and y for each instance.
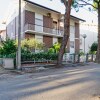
(49, 14)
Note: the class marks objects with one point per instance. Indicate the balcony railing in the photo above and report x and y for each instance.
(42, 29)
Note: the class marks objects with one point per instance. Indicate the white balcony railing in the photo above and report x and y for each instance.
(42, 29)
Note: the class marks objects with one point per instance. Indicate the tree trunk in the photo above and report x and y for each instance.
(66, 33)
(98, 50)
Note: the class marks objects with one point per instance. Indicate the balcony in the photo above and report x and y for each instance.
(39, 29)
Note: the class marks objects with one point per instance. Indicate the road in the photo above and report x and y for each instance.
(72, 83)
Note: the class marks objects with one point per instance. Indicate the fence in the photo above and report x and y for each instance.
(77, 58)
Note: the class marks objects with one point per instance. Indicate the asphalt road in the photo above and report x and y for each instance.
(72, 83)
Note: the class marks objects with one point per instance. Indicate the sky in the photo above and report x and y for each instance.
(4, 5)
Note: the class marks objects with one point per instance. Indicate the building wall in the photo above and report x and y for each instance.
(42, 11)
(35, 21)
(12, 27)
(48, 41)
(55, 40)
(29, 35)
(3, 34)
(92, 34)
(47, 23)
(77, 38)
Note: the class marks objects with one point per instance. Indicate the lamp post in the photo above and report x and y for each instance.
(19, 39)
(0, 39)
(84, 36)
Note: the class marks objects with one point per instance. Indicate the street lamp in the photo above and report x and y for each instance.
(84, 36)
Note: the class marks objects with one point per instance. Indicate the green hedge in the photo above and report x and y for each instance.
(39, 56)
(27, 56)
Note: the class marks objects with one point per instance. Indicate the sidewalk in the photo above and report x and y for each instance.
(7, 74)
(38, 68)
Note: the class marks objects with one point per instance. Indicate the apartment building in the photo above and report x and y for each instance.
(44, 24)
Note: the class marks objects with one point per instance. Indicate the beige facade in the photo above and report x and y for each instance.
(45, 25)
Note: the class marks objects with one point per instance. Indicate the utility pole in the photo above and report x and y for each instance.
(19, 39)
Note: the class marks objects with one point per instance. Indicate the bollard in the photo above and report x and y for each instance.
(78, 58)
(74, 58)
(87, 57)
(92, 57)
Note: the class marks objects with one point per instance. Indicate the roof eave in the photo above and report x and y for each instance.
(41, 6)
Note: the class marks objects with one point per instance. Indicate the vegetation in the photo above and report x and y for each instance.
(8, 50)
(31, 44)
(95, 4)
(39, 56)
(7, 47)
(55, 48)
(93, 48)
(81, 53)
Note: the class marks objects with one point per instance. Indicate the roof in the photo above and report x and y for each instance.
(49, 4)
(54, 5)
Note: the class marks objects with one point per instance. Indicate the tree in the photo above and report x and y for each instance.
(67, 5)
(93, 48)
(76, 4)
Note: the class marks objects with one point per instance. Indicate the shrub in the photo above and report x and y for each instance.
(38, 56)
(55, 48)
(93, 47)
(31, 43)
(8, 47)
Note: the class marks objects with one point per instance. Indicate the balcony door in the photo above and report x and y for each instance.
(54, 27)
(47, 24)
(38, 22)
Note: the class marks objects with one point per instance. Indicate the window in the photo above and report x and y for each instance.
(72, 44)
(38, 22)
(72, 29)
(54, 27)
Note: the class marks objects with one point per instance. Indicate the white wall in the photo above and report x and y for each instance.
(72, 36)
(40, 39)
(42, 11)
(91, 31)
(55, 40)
(38, 22)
